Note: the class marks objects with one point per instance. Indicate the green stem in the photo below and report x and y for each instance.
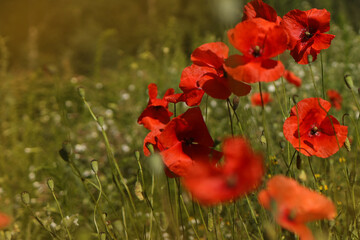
(187, 214)
(61, 214)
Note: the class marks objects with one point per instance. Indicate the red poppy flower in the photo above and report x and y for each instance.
(184, 138)
(256, 99)
(295, 205)
(207, 74)
(292, 78)
(259, 9)
(317, 135)
(306, 30)
(241, 173)
(4, 220)
(156, 113)
(335, 98)
(258, 40)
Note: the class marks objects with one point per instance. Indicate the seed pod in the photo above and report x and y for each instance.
(235, 102)
(349, 81)
(210, 222)
(25, 198)
(347, 145)
(263, 139)
(138, 191)
(95, 166)
(50, 183)
(81, 92)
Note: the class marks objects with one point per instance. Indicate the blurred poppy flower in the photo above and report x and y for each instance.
(292, 78)
(317, 135)
(156, 113)
(306, 30)
(294, 205)
(184, 138)
(241, 173)
(256, 99)
(4, 220)
(335, 98)
(207, 74)
(259, 9)
(258, 40)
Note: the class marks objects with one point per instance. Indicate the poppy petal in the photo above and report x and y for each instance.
(241, 68)
(210, 54)
(322, 41)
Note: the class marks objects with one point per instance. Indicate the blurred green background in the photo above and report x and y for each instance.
(66, 34)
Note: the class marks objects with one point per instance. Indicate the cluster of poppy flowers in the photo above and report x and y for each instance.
(187, 148)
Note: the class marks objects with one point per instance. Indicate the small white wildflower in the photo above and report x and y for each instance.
(271, 88)
(99, 85)
(80, 148)
(125, 148)
(68, 103)
(109, 113)
(53, 225)
(125, 96)
(213, 103)
(32, 176)
(131, 87)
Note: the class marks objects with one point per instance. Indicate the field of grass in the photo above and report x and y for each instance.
(72, 165)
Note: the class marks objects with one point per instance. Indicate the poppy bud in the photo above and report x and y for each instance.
(298, 161)
(347, 144)
(235, 102)
(138, 191)
(50, 183)
(349, 81)
(25, 198)
(65, 151)
(263, 139)
(103, 236)
(95, 166)
(81, 92)
(210, 222)
(137, 155)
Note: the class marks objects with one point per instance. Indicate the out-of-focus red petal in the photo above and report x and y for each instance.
(256, 99)
(210, 54)
(292, 78)
(295, 205)
(154, 117)
(259, 9)
(322, 41)
(4, 220)
(243, 69)
(241, 173)
(335, 98)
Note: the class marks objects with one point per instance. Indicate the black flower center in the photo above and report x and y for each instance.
(314, 131)
(256, 51)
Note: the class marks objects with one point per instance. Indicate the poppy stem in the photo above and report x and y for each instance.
(278, 98)
(313, 80)
(230, 117)
(189, 219)
(263, 119)
(322, 75)
(253, 216)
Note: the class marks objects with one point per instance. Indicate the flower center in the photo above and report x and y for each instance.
(256, 51)
(189, 141)
(307, 35)
(314, 131)
(231, 181)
